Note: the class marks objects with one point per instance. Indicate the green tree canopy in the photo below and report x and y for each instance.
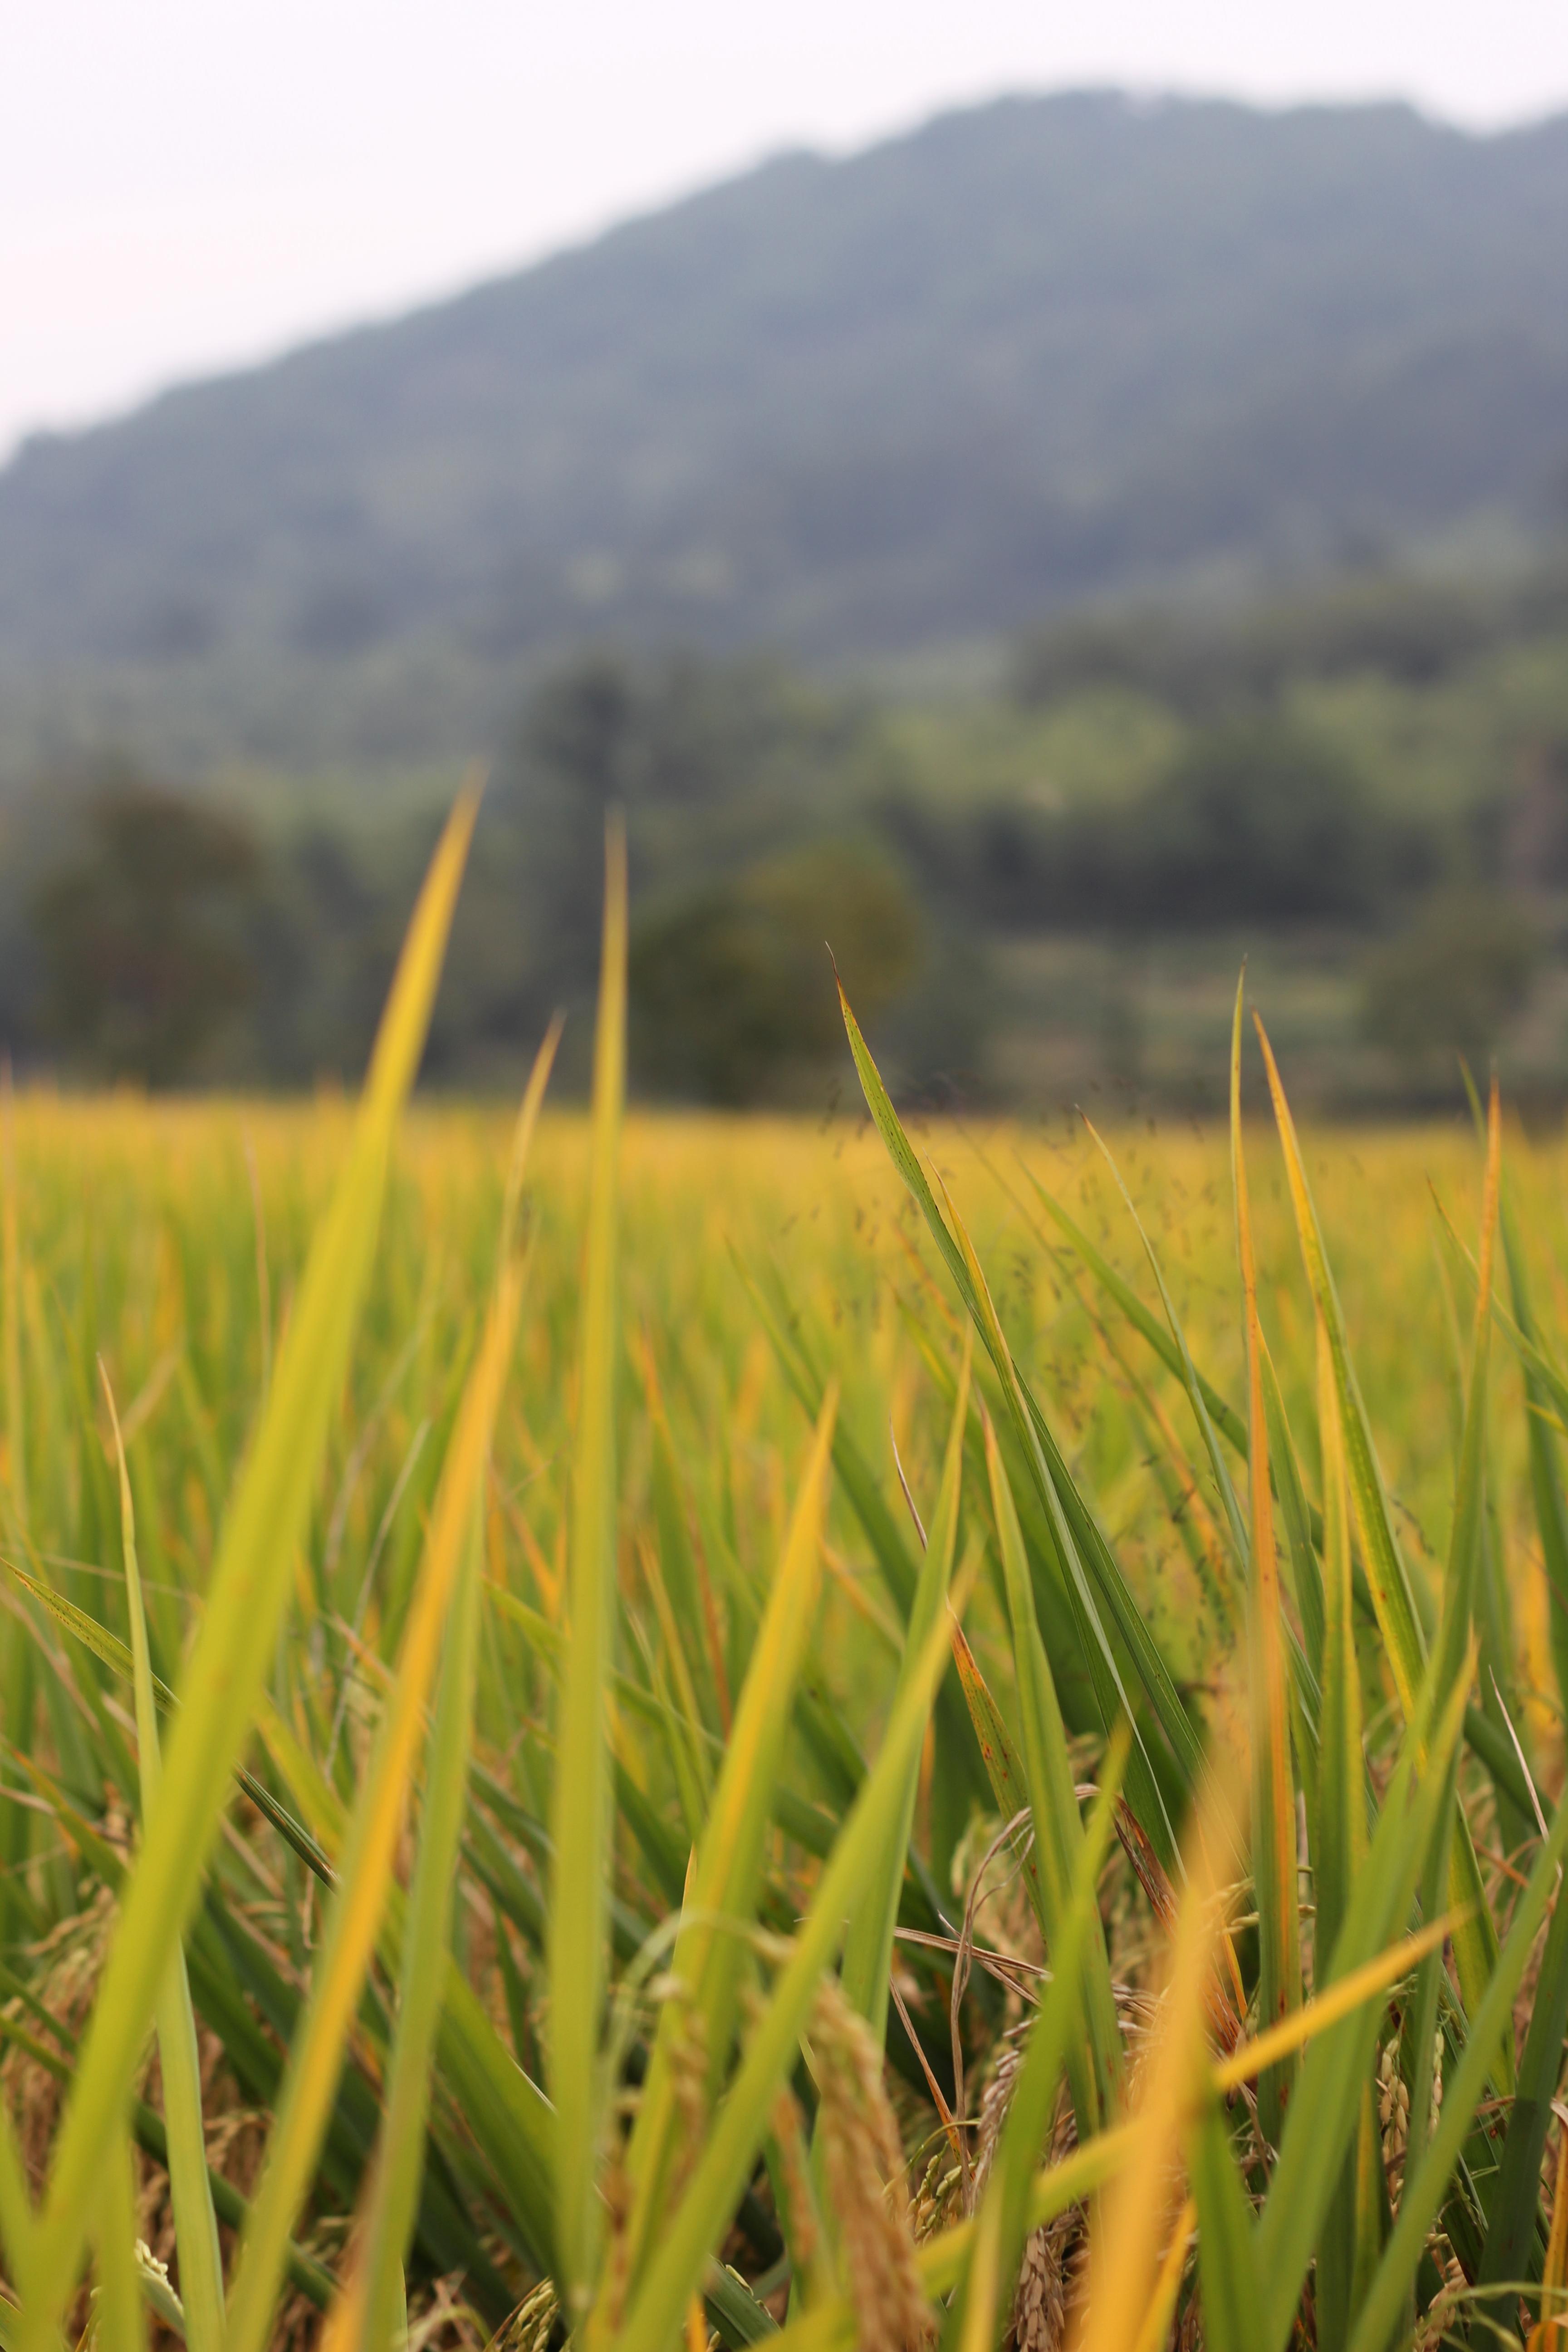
(142, 932)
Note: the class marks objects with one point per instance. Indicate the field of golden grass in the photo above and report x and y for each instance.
(651, 1730)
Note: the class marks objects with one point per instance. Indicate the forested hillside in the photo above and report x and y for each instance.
(1038, 352)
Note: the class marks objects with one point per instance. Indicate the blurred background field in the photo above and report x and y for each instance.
(139, 1239)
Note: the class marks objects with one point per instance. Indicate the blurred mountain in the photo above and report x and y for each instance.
(1041, 351)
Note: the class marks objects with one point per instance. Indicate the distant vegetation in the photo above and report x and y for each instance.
(137, 931)
(1042, 351)
(1045, 558)
(1035, 891)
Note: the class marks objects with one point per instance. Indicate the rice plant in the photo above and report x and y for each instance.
(657, 1736)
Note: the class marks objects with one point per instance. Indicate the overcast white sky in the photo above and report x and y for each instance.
(189, 184)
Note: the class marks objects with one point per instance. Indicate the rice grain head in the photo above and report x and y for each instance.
(864, 2165)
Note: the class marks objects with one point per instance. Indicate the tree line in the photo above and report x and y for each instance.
(150, 932)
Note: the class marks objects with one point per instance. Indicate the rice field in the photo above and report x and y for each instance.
(670, 1731)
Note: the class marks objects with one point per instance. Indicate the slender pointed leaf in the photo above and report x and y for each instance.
(1273, 1788)
(1059, 1832)
(1000, 2222)
(196, 2225)
(250, 1583)
(581, 1819)
(709, 1959)
(869, 1947)
(365, 1865)
(1227, 2237)
(1135, 2219)
(1338, 1843)
(1324, 2114)
(689, 2234)
(1427, 2182)
(1080, 1552)
(121, 2315)
(1515, 2199)
(376, 2288)
(1476, 1944)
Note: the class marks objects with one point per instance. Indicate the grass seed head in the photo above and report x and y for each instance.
(529, 2327)
(864, 2161)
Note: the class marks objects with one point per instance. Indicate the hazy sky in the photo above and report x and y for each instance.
(188, 184)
